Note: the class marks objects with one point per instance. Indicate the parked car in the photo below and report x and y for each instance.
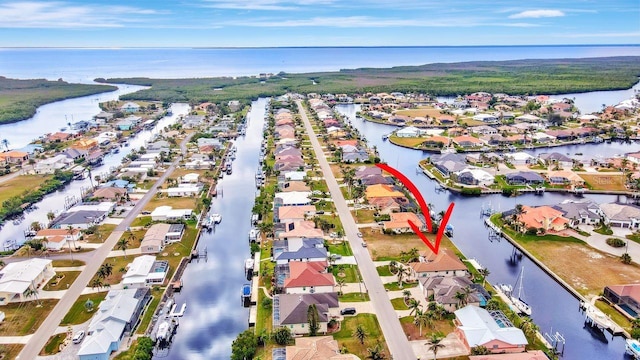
(348, 311)
(359, 234)
(77, 338)
(364, 244)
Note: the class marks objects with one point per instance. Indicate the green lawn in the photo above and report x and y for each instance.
(384, 271)
(265, 316)
(20, 184)
(67, 263)
(354, 297)
(150, 310)
(349, 274)
(62, 280)
(25, 318)
(141, 221)
(342, 249)
(603, 231)
(363, 216)
(334, 220)
(346, 339)
(394, 286)
(78, 314)
(532, 238)
(634, 237)
(614, 314)
(53, 345)
(398, 304)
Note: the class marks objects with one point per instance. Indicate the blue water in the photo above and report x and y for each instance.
(83, 65)
(628, 310)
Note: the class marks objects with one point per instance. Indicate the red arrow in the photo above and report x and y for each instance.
(423, 206)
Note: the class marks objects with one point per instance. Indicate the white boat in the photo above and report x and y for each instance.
(216, 218)
(521, 306)
(248, 265)
(632, 347)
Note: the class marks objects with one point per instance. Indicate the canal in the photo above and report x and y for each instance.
(54, 201)
(554, 308)
(212, 287)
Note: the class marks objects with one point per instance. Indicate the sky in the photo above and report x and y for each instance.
(265, 23)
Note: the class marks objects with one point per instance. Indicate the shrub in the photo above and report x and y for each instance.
(471, 191)
(615, 242)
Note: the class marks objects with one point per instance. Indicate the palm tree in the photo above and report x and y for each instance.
(462, 299)
(360, 333)
(406, 294)
(340, 282)
(70, 231)
(376, 352)
(5, 143)
(402, 272)
(105, 270)
(97, 283)
(626, 258)
(123, 244)
(414, 306)
(393, 266)
(528, 327)
(435, 344)
(35, 226)
(484, 273)
(50, 216)
(423, 318)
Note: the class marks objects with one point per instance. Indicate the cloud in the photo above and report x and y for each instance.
(64, 15)
(635, 34)
(264, 5)
(528, 14)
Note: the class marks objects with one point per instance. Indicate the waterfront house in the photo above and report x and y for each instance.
(159, 235)
(289, 163)
(314, 348)
(524, 178)
(477, 327)
(633, 157)
(542, 217)
(13, 157)
(103, 117)
(145, 271)
(520, 158)
(294, 232)
(167, 213)
(580, 212)
(290, 310)
(556, 158)
(283, 151)
(215, 143)
(184, 190)
(158, 147)
(625, 297)
(565, 177)
(436, 141)
(57, 137)
(444, 289)
(50, 165)
(193, 121)
(117, 315)
(17, 277)
(130, 107)
(293, 186)
(299, 249)
(56, 239)
(352, 154)
(409, 131)
(621, 215)
(474, 176)
(381, 190)
(75, 154)
(292, 198)
(467, 141)
(308, 278)
(542, 137)
(292, 214)
(483, 130)
(398, 223)
(190, 178)
(294, 175)
(486, 118)
(448, 164)
(445, 263)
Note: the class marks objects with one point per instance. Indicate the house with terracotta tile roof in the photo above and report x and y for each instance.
(317, 348)
(294, 186)
(445, 263)
(564, 177)
(292, 214)
(13, 157)
(385, 205)
(399, 222)
(467, 141)
(625, 298)
(109, 193)
(58, 238)
(308, 278)
(544, 217)
(296, 231)
(57, 137)
(437, 140)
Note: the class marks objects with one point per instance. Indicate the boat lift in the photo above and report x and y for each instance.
(557, 342)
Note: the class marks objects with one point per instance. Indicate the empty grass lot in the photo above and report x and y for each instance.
(605, 182)
(25, 318)
(410, 142)
(346, 339)
(20, 184)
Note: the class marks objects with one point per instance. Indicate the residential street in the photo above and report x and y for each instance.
(50, 324)
(387, 317)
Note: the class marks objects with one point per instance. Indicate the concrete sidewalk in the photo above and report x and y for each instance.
(599, 241)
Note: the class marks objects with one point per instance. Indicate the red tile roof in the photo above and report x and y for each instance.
(308, 274)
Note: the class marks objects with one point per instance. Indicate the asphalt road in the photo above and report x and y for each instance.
(46, 330)
(387, 317)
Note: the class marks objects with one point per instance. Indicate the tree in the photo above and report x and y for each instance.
(5, 143)
(528, 327)
(244, 346)
(97, 283)
(282, 336)
(70, 231)
(484, 273)
(88, 305)
(406, 294)
(376, 352)
(50, 216)
(626, 258)
(313, 318)
(263, 336)
(123, 244)
(423, 318)
(105, 270)
(435, 343)
(402, 272)
(462, 297)
(493, 304)
(340, 282)
(480, 350)
(35, 226)
(360, 333)
(414, 306)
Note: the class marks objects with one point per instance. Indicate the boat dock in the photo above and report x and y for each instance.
(596, 318)
(255, 288)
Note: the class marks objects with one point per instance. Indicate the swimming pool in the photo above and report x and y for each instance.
(628, 310)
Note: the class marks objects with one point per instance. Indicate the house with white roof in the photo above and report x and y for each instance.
(130, 107)
(292, 198)
(474, 176)
(520, 158)
(116, 315)
(409, 131)
(50, 165)
(145, 271)
(475, 326)
(17, 277)
(164, 213)
(295, 175)
(184, 190)
(486, 118)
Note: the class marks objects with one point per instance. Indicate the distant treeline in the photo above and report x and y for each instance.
(518, 77)
(19, 99)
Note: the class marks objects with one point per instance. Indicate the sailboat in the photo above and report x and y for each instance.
(522, 307)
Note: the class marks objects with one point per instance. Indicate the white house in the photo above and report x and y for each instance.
(487, 118)
(190, 178)
(192, 190)
(164, 213)
(17, 277)
(528, 118)
(50, 165)
(409, 131)
(145, 271)
(130, 107)
(57, 238)
(292, 198)
(621, 215)
(520, 158)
